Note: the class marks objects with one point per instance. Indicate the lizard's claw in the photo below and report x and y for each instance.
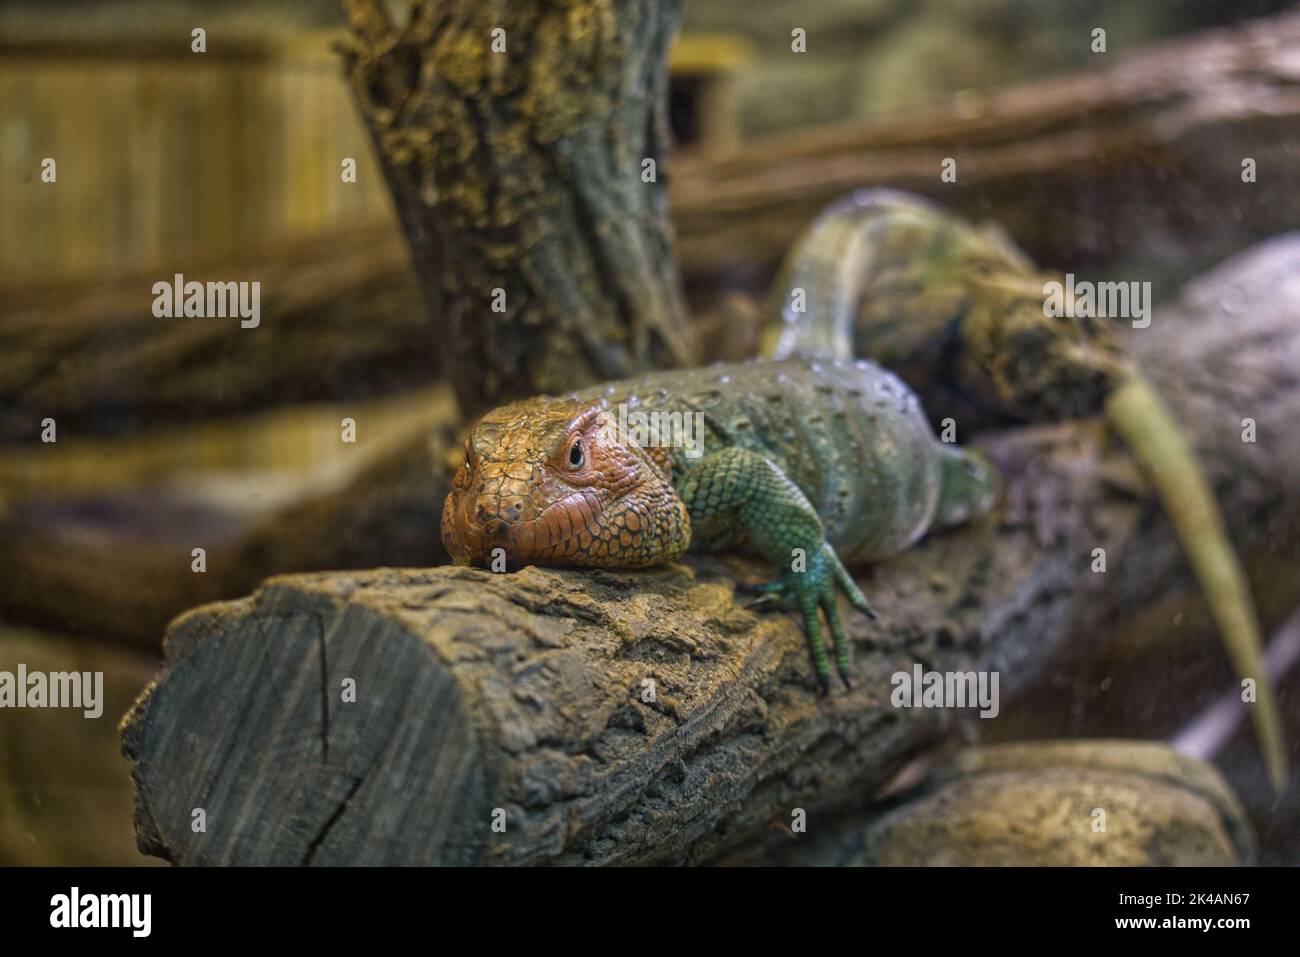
(851, 589)
(809, 591)
(769, 595)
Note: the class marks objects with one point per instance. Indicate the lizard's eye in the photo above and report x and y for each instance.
(576, 457)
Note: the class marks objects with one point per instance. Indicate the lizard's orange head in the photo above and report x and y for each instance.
(552, 482)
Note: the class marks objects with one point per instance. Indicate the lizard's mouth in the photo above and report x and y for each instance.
(584, 528)
(571, 531)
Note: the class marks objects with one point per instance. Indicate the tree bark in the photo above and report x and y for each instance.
(513, 139)
(1138, 163)
(1037, 804)
(524, 692)
(340, 318)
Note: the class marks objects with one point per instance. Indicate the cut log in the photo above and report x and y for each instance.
(598, 717)
(477, 692)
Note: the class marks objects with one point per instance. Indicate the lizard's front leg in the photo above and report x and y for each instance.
(736, 490)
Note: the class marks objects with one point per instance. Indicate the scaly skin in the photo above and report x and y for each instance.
(958, 312)
(955, 311)
(803, 462)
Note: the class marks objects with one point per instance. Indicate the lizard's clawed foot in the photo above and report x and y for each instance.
(809, 591)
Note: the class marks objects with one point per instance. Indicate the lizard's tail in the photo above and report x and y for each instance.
(1138, 415)
(823, 277)
(881, 245)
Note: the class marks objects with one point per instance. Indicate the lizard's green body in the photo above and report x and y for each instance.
(849, 435)
(805, 462)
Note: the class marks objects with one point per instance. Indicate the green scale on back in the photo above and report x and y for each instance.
(851, 436)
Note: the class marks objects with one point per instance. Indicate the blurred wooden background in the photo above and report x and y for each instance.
(163, 153)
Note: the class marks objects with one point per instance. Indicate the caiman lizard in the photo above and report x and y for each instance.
(809, 463)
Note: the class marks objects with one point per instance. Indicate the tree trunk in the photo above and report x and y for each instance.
(514, 139)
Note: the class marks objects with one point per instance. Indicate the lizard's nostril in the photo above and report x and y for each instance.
(491, 511)
(488, 508)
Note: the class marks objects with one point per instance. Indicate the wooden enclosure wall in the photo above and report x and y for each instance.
(163, 153)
